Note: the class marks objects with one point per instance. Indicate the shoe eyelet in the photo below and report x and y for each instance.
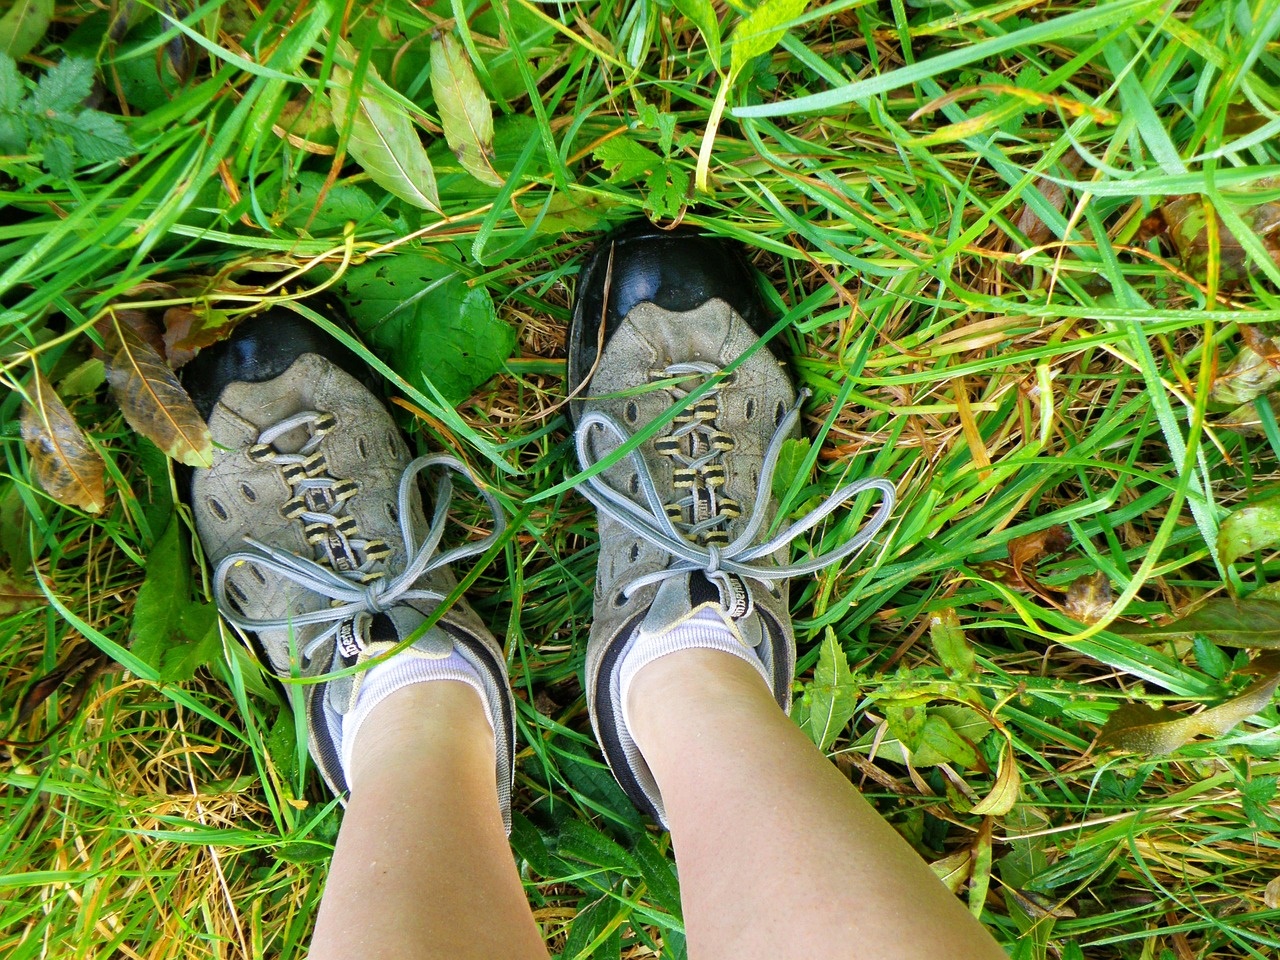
(633, 484)
(619, 599)
(257, 574)
(635, 552)
(218, 509)
(362, 448)
(393, 445)
(248, 493)
(631, 413)
(779, 414)
(751, 408)
(392, 513)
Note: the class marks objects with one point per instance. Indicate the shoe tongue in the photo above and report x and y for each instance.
(678, 598)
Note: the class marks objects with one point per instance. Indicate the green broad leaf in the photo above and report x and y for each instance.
(664, 123)
(24, 26)
(172, 633)
(791, 458)
(668, 189)
(431, 326)
(306, 206)
(965, 722)
(761, 30)
(1256, 799)
(11, 85)
(1210, 658)
(1249, 529)
(595, 933)
(465, 112)
(658, 873)
(702, 14)
(85, 379)
(64, 86)
(381, 137)
(950, 644)
(1156, 731)
(626, 160)
(1024, 825)
(1232, 623)
(832, 695)
(939, 743)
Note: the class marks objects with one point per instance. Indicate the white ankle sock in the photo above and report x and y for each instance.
(405, 668)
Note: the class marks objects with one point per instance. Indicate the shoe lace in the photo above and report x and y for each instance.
(351, 588)
(730, 564)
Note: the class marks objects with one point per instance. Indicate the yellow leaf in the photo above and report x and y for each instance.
(65, 465)
(1004, 793)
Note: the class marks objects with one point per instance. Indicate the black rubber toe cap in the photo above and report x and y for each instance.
(677, 270)
(261, 348)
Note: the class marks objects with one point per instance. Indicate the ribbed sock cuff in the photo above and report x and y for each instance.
(405, 668)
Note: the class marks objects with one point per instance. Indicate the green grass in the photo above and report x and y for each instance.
(954, 231)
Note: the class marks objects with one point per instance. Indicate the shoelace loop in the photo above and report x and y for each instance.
(349, 598)
(650, 522)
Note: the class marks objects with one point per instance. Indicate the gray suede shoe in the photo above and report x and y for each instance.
(313, 521)
(667, 330)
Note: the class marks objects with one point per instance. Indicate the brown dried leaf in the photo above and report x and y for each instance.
(152, 399)
(65, 465)
(188, 330)
(1089, 598)
(1026, 552)
(1143, 729)
(1028, 221)
(1186, 221)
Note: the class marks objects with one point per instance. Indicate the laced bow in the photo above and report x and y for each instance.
(740, 558)
(348, 597)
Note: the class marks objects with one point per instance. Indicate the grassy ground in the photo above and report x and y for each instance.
(962, 236)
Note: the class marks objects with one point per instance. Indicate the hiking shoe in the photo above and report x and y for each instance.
(667, 330)
(313, 521)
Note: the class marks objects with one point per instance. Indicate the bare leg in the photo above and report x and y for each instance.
(422, 867)
(778, 855)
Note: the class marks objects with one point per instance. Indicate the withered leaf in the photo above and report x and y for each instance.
(465, 113)
(1089, 598)
(1249, 529)
(1026, 552)
(1253, 371)
(153, 401)
(1144, 729)
(1271, 896)
(65, 465)
(188, 330)
(954, 870)
(1028, 221)
(1186, 222)
(17, 595)
(86, 658)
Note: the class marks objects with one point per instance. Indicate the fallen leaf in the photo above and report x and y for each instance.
(1185, 220)
(465, 112)
(1253, 371)
(83, 658)
(153, 401)
(1156, 731)
(65, 465)
(1233, 623)
(1089, 598)
(1028, 221)
(381, 137)
(17, 595)
(1026, 552)
(1271, 896)
(189, 329)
